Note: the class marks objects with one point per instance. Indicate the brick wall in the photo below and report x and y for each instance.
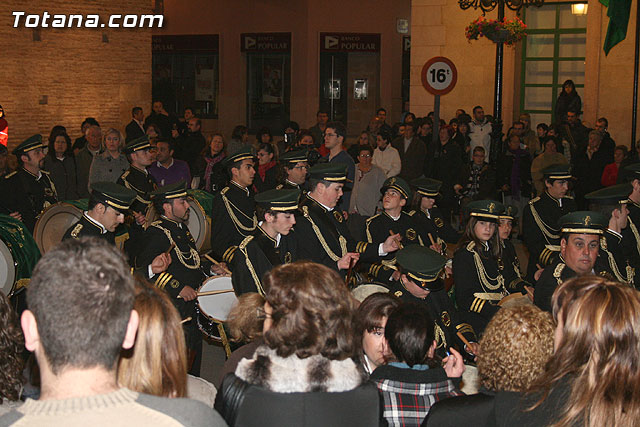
(80, 74)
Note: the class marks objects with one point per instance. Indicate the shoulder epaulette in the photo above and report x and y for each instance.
(158, 222)
(224, 190)
(568, 197)
(471, 246)
(532, 201)
(368, 220)
(125, 175)
(412, 213)
(76, 230)
(44, 172)
(279, 186)
(10, 174)
(245, 242)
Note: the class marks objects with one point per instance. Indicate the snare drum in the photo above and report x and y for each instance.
(18, 254)
(53, 223)
(212, 310)
(199, 224)
(361, 292)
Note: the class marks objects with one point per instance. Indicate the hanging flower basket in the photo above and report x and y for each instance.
(508, 31)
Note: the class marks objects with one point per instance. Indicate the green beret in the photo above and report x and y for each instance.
(485, 210)
(332, 172)
(171, 191)
(294, 157)
(244, 153)
(610, 195)
(138, 144)
(278, 200)
(397, 184)
(28, 144)
(422, 265)
(510, 212)
(583, 222)
(427, 187)
(118, 197)
(559, 171)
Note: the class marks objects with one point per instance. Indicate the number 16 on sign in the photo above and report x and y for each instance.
(439, 76)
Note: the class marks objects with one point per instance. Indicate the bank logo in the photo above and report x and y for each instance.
(249, 42)
(331, 42)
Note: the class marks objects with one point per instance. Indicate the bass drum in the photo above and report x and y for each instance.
(18, 255)
(361, 292)
(199, 223)
(53, 223)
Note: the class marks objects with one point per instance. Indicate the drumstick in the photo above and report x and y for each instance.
(433, 242)
(400, 245)
(464, 340)
(351, 264)
(188, 319)
(168, 251)
(225, 269)
(205, 293)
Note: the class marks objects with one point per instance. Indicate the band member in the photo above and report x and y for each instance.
(612, 203)
(428, 216)
(421, 271)
(29, 190)
(540, 217)
(270, 245)
(108, 205)
(233, 216)
(510, 261)
(477, 271)
(295, 166)
(321, 231)
(186, 271)
(579, 247)
(631, 235)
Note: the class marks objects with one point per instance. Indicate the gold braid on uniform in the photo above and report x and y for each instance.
(441, 340)
(541, 224)
(485, 280)
(634, 230)
(236, 222)
(323, 242)
(614, 266)
(243, 249)
(193, 254)
(558, 272)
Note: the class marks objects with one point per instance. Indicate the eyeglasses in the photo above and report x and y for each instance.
(364, 155)
(261, 314)
(301, 167)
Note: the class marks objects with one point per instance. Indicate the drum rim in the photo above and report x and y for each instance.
(36, 235)
(203, 235)
(201, 311)
(12, 271)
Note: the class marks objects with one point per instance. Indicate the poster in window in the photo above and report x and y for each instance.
(332, 89)
(272, 85)
(360, 89)
(205, 84)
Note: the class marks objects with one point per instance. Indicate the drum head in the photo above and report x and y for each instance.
(7, 269)
(217, 307)
(361, 292)
(53, 223)
(198, 224)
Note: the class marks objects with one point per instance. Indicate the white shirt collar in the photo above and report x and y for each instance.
(160, 165)
(103, 230)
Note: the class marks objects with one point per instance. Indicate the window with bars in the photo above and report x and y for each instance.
(553, 51)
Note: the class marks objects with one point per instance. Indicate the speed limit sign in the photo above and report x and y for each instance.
(439, 75)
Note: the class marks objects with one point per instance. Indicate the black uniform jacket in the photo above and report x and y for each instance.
(612, 258)
(461, 411)
(323, 237)
(512, 272)
(540, 228)
(142, 183)
(432, 222)
(88, 227)
(233, 219)
(21, 191)
(257, 255)
(631, 235)
(379, 226)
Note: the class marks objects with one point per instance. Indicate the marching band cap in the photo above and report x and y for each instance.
(242, 154)
(397, 184)
(332, 172)
(583, 222)
(137, 144)
(422, 265)
(28, 144)
(114, 195)
(278, 200)
(427, 186)
(171, 191)
(557, 172)
(610, 195)
(510, 212)
(485, 210)
(294, 157)
(632, 172)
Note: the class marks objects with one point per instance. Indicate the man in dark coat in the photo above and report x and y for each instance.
(589, 165)
(412, 152)
(135, 128)
(189, 147)
(159, 117)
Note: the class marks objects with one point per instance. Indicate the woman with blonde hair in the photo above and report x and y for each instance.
(157, 363)
(110, 163)
(593, 377)
(305, 373)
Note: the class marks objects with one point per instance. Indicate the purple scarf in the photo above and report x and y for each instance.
(211, 161)
(515, 172)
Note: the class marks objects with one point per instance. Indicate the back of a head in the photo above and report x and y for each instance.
(516, 345)
(81, 295)
(410, 334)
(313, 312)
(598, 351)
(157, 363)
(243, 320)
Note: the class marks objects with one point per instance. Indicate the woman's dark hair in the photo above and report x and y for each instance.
(410, 334)
(52, 138)
(569, 83)
(362, 148)
(385, 135)
(543, 126)
(372, 310)
(266, 147)
(622, 148)
(469, 235)
(238, 131)
(313, 312)
(264, 131)
(11, 347)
